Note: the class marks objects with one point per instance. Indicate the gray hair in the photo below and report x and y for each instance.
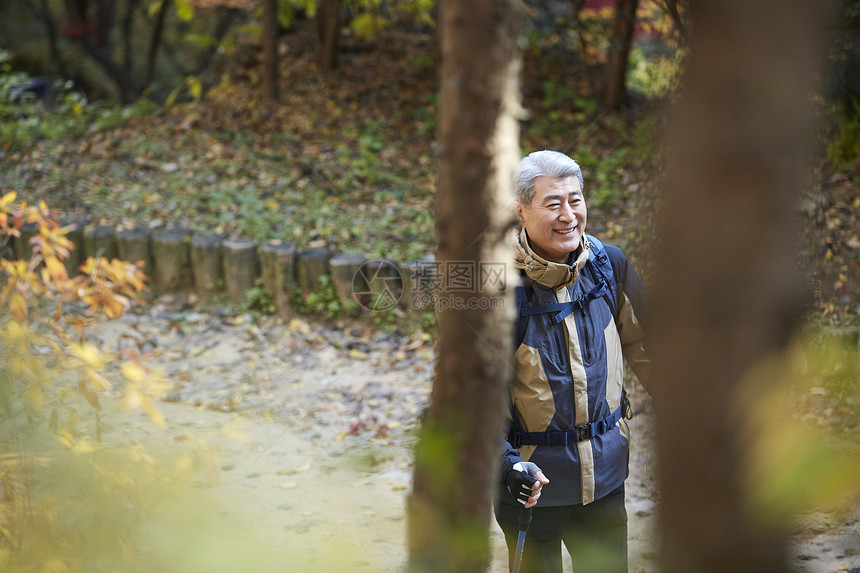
(542, 164)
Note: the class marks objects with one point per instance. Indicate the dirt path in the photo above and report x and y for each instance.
(313, 427)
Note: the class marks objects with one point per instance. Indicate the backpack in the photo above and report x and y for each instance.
(607, 287)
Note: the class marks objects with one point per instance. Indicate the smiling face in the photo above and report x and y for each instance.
(555, 220)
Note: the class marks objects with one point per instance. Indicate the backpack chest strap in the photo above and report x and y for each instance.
(563, 309)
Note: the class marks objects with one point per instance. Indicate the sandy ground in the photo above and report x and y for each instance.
(313, 428)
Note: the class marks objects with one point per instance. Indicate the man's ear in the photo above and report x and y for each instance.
(520, 209)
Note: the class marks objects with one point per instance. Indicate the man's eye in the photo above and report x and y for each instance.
(554, 205)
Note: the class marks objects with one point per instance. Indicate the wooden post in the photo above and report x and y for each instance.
(344, 267)
(207, 265)
(385, 283)
(23, 248)
(7, 250)
(76, 236)
(133, 246)
(241, 267)
(278, 261)
(312, 264)
(100, 241)
(171, 255)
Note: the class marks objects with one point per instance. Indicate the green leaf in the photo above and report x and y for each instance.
(184, 10)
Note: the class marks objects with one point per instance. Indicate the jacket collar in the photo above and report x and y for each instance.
(544, 272)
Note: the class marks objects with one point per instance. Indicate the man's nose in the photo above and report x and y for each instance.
(566, 212)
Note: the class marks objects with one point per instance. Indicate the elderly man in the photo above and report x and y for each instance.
(578, 320)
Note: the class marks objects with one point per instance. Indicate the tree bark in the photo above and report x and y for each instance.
(328, 25)
(615, 72)
(270, 50)
(154, 41)
(727, 291)
(457, 457)
(127, 27)
(43, 13)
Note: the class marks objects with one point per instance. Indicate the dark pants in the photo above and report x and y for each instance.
(595, 535)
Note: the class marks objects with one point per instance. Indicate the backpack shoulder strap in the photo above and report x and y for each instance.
(522, 294)
(601, 262)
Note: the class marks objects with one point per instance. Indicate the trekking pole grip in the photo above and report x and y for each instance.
(525, 519)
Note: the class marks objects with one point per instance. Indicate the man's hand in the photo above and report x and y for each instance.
(524, 482)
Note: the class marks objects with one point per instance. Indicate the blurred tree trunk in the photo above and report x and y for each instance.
(43, 14)
(155, 40)
(457, 457)
(328, 30)
(727, 292)
(127, 27)
(270, 49)
(615, 72)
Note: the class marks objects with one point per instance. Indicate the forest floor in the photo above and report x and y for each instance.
(312, 428)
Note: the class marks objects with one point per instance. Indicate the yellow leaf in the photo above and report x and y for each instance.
(18, 307)
(66, 438)
(89, 354)
(99, 382)
(56, 269)
(357, 354)
(184, 10)
(195, 88)
(90, 396)
(133, 372)
(8, 198)
(152, 411)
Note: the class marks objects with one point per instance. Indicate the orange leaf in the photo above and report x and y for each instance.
(56, 269)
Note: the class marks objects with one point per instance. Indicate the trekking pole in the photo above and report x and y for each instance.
(524, 520)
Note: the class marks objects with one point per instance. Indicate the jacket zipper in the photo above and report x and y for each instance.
(585, 344)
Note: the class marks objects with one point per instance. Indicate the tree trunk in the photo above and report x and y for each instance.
(457, 457)
(328, 26)
(726, 291)
(43, 13)
(127, 27)
(270, 50)
(615, 72)
(154, 41)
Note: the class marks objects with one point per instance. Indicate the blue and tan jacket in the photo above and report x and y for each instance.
(567, 390)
